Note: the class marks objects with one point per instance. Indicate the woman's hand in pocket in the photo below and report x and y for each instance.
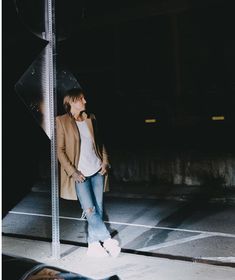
(78, 176)
(104, 169)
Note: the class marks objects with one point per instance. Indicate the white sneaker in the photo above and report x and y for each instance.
(112, 247)
(96, 250)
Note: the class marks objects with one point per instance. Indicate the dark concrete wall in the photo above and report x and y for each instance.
(178, 169)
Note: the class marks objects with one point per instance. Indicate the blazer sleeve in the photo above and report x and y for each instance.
(61, 152)
(105, 157)
(99, 142)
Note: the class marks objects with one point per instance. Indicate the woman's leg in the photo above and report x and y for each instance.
(97, 182)
(96, 227)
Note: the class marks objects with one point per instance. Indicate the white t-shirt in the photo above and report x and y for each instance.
(89, 163)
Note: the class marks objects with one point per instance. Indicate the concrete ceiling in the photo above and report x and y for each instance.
(114, 12)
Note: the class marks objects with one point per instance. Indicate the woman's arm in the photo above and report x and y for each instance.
(105, 157)
(99, 143)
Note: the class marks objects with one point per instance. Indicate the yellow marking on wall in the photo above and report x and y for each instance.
(150, 121)
(218, 118)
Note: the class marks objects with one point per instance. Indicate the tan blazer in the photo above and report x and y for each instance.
(68, 151)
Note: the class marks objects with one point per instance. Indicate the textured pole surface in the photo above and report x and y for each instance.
(51, 37)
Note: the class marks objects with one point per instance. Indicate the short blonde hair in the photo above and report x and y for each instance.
(71, 96)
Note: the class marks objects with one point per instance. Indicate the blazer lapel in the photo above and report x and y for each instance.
(75, 128)
(89, 125)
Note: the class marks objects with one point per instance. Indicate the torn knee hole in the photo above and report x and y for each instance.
(88, 212)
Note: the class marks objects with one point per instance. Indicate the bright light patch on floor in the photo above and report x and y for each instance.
(218, 118)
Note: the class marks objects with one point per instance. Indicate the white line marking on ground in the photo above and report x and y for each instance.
(175, 242)
(212, 233)
(224, 259)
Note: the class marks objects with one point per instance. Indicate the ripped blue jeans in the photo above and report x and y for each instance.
(90, 195)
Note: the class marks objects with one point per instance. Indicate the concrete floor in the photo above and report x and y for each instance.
(193, 229)
(125, 266)
(196, 230)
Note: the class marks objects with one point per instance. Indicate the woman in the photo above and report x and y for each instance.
(84, 169)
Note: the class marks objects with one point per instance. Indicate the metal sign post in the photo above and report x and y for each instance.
(51, 59)
(38, 89)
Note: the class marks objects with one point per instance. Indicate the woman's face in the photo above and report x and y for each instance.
(79, 104)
